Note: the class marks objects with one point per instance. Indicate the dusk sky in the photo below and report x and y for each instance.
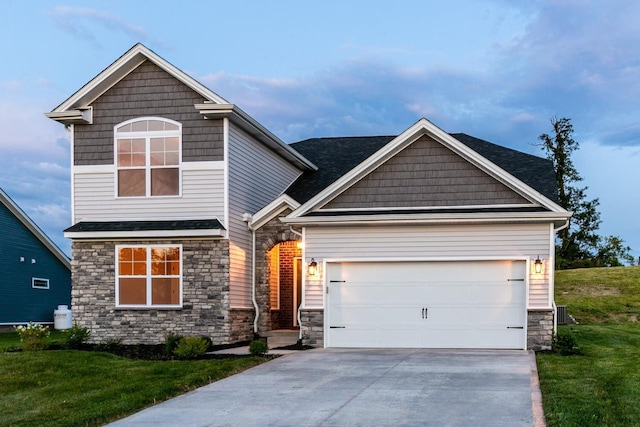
(498, 70)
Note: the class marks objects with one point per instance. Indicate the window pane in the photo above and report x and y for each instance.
(165, 291)
(133, 291)
(155, 125)
(124, 160)
(172, 144)
(170, 126)
(124, 146)
(125, 254)
(173, 254)
(138, 145)
(131, 182)
(157, 145)
(138, 159)
(140, 126)
(173, 268)
(157, 159)
(171, 158)
(164, 182)
(125, 128)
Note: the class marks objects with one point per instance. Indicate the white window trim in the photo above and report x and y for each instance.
(33, 283)
(147, 135)
(148, 277)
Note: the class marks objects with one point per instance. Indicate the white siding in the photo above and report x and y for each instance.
(202, 197)
(256, 176)
(430, 242)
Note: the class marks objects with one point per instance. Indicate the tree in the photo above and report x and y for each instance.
(579, 243)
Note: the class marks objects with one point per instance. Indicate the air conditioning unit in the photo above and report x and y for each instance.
(561, 315)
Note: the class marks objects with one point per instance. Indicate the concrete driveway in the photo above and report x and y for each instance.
(365, 387)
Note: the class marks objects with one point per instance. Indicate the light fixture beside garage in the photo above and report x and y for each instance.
(313, 268)
(537, 265)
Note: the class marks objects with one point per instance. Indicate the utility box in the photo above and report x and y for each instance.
(562, 316)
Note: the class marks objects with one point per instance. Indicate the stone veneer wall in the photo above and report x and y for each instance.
(312, 326)
(205, 289)
(539, 330)
(267, 237)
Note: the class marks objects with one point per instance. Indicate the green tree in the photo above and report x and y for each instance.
(579, 243)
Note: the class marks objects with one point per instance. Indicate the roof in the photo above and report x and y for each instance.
(167, 228)
(338, 155)
(77, 108)
(34, 229)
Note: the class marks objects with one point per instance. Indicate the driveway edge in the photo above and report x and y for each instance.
(536, 395)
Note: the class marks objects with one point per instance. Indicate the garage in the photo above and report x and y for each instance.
(427, 304)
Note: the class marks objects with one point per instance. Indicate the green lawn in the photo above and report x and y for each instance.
(602, 386)
(81, 388)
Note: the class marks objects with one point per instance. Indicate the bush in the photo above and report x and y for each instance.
(33, 336)
(565, 344)
(76, 336)
(191, 348)
(258, 347)
(170, 343)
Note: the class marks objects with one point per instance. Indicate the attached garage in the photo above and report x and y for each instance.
(427, 304)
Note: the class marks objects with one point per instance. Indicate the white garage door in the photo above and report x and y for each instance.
(479, 304)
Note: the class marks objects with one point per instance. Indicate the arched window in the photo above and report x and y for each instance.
(148, 157)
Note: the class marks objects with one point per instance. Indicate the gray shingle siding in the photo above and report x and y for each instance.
(148, 91)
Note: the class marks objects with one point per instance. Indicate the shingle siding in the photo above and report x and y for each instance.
(426, 174)
(148, 91)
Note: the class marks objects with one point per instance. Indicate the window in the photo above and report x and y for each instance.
(148, 157)
(37, 283)
(149, 276)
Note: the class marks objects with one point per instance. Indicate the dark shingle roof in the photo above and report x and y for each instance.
(93, 226)
(337, 156)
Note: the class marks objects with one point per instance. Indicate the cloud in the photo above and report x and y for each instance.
(85, 24)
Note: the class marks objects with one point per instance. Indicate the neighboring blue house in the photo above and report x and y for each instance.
(36, 274)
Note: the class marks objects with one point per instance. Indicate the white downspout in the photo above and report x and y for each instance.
(552, 272)
(248, 219)
(299, 318)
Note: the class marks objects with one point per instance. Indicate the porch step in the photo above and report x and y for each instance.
(282, 338)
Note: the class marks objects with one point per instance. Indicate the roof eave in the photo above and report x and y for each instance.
(558, 218)
(129, 61)
(210, 110)
(34, 229)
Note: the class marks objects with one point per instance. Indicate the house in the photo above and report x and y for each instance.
(189, 217)
(36, 274)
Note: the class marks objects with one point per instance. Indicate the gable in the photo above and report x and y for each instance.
(425, 174)
(148, 90)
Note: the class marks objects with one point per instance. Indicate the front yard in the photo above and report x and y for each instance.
(601, 387)
(84, 388)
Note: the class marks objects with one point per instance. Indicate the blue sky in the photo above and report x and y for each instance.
(498, 70)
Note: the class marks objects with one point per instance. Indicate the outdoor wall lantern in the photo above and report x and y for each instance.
(313, 268)
(537, 265)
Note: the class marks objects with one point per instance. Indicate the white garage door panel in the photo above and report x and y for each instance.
(479, 304)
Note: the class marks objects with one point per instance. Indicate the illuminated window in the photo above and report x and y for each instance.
(149, 276)
(148, 157)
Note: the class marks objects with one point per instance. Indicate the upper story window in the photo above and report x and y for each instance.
(148, 156)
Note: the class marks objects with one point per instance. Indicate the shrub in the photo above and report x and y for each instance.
(565, 344)
(191, 348)
(258, 347)
(76, 336)
(112, 346)
(170, 343)
(33, 336)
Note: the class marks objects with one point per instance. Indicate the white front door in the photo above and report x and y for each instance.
(448, 304)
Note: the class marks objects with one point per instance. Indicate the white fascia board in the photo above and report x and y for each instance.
(82, 116)
(123, 66)
(34, 229)
(271, 210)
(429, 218)
(424, 127)
(146, 234)
(252, 127)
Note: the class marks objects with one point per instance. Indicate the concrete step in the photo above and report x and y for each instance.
(282, 338)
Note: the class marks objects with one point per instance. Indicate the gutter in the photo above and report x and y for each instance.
(249, 219)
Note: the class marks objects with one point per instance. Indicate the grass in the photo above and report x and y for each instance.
(602, 386)
(82, 388)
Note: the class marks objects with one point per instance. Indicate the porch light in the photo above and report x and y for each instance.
(313, 268)
(537, 265)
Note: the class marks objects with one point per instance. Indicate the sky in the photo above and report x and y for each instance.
(499, 70)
